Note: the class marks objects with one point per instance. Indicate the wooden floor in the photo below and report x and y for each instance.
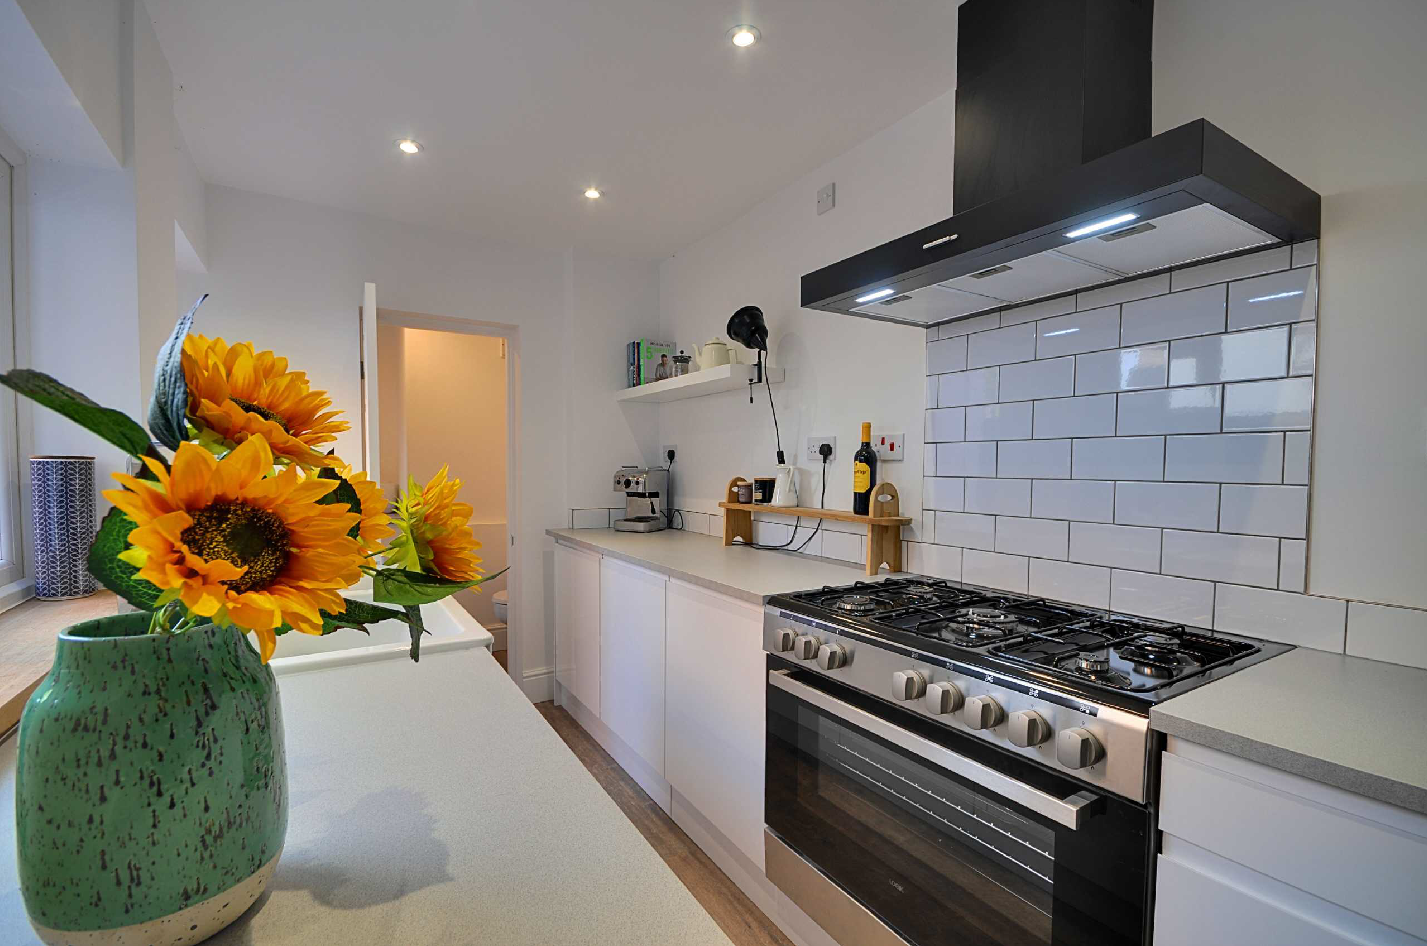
(735, 914)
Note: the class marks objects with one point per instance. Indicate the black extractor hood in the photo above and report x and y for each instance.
(1057, 185)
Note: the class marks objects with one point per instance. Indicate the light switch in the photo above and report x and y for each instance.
(827, 198)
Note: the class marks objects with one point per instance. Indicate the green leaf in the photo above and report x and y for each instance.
(399, 586)
(113, 426)
(413, 619)
(118, 576)
(168, 408)
(344, 493)
(358, 615)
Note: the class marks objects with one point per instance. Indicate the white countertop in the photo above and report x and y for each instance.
(1344, 721)
(431, 804)
(737, 571)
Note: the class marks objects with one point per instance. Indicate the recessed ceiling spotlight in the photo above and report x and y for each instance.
(593, 193)
(408, 146)
(744, 35)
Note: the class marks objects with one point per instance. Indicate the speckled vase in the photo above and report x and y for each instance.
(151, 796)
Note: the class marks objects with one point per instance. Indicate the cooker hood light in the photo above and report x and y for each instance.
(874, 296)
(1099, 225)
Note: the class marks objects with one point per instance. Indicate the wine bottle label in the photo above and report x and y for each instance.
(861, 477)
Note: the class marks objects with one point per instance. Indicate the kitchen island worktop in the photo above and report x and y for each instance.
(750, 574)
(1344, 721)
(431, 804)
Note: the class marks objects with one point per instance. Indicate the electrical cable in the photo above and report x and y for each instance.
(797, 524)
(669, 509)
(777, 436)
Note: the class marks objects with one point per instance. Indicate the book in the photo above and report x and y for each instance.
(655, 360)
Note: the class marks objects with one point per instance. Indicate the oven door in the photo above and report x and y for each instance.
(941, 837)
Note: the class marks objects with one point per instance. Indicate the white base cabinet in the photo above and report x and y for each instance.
(1253, 855)
(714, 711)
(632, 657)
(577, 624)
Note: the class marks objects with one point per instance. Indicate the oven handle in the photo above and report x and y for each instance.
(1071, 812)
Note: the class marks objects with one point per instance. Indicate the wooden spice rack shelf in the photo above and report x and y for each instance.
(884, 524)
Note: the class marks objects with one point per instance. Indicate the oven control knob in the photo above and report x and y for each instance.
(783, 639)
(909, 684)
(833, 656)
(1028, 728)
(1078, 748)
(943, 698)
(982, 712)
(805, 647)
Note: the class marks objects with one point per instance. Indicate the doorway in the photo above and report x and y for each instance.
(444, 395)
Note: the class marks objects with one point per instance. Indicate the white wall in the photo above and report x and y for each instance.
(86, 40)
(84, 317)
(611, 302)
(1333, 92)
(841, 371)
(288, 276)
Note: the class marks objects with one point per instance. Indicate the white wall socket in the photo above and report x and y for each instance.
(889, 446)
(812, 454)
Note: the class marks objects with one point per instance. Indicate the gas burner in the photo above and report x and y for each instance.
(983, 617)
(974, 635)
(1094, 666)
(855, 604)
(1157, 655)
(1092, 661)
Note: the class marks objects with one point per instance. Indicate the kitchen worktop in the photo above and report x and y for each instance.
(1343, 721)
(750, 574)
(431, 804)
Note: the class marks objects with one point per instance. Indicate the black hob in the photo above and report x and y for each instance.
(1141, 659)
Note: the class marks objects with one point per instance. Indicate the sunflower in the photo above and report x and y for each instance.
(238, 543)
(236, 392)
(432, 534)
(375, 526)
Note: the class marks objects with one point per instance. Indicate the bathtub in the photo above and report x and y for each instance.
(451, 628)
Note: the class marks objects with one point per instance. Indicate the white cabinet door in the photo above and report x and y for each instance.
(714, 711)
(577, 624)
(632, 657)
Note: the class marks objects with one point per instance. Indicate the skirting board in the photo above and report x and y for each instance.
(538, 685)
(633, 764)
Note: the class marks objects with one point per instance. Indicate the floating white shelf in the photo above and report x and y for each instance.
(699, 383)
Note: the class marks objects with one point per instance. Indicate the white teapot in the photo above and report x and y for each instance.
(714, 352)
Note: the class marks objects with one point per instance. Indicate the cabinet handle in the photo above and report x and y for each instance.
(940, 240)
(1070, 812)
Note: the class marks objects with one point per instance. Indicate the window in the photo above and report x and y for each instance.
(12, 567)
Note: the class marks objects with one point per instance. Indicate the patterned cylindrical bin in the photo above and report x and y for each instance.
(62, 499)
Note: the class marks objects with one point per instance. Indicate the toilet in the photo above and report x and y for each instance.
(500, 601)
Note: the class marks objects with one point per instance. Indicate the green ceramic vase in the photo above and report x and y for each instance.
(151, 796)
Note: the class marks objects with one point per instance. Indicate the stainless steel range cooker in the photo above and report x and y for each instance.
(952, 764)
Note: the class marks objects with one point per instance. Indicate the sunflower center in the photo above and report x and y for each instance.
(243, 535)
(262, 412)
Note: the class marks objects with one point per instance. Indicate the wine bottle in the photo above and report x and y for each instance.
(864, 473)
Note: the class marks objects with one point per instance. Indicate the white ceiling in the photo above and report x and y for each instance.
(523, 103)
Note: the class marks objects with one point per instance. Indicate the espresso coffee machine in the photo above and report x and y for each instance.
(645, 489)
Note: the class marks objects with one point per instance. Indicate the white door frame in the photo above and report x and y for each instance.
(515, 657)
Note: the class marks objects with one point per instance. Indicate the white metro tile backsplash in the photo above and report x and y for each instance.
(994, 570)
(1167, 464)
(1123, 369)
(1001, 346)
(1177, 315)
(1072, 334)
(1079, 584)
(1276, 299)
